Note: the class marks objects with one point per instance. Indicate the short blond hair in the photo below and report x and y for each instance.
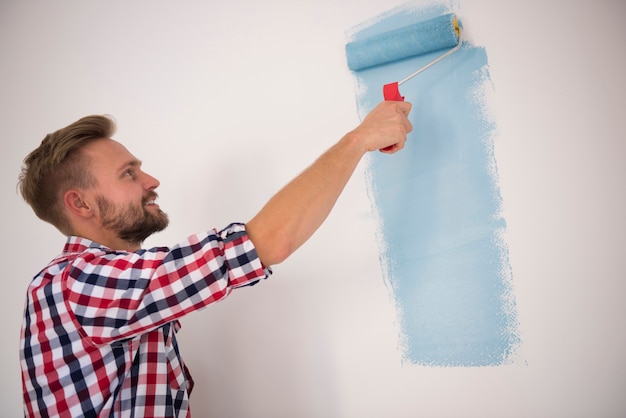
(57, 166)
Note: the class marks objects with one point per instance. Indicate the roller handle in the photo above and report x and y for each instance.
(391, 93)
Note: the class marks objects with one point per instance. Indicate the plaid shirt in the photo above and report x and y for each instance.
(99, 331)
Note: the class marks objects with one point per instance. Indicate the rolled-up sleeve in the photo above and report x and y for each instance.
(117, 295)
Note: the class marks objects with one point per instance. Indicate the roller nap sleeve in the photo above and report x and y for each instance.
(409, 41)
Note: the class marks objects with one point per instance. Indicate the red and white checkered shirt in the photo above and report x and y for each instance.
(99, 331)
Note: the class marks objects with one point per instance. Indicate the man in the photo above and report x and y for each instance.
(99, 332)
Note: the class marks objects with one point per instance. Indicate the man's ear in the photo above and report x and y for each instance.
(76, 203)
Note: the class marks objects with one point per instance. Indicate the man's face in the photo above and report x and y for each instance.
(125, 195)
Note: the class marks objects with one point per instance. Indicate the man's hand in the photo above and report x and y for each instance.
(386, 127)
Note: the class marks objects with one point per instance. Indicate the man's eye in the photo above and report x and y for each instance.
(130, 173)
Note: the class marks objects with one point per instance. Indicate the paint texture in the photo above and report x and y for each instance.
(438, 203)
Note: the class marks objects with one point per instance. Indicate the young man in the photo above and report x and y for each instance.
(99, 332)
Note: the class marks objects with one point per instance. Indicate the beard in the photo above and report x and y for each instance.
(132, 223)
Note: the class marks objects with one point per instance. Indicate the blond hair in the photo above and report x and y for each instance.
(57, 166)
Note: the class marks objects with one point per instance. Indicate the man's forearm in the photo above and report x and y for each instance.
(296, 211)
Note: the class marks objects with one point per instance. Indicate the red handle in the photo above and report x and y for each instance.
(391, 92)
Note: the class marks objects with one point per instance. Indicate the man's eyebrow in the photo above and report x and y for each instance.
(131, 163)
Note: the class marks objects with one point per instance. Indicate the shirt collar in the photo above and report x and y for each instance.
(76, 244)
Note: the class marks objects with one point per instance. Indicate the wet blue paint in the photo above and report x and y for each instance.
(438, 203)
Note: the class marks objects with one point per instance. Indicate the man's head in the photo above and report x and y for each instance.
(84, 183)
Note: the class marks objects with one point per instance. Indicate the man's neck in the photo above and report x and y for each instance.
(109, 240)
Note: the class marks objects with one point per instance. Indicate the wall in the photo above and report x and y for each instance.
(227, 102)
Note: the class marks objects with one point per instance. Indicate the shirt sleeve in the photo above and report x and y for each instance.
(117, 295)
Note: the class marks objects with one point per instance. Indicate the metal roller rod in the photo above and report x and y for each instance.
(435, 61)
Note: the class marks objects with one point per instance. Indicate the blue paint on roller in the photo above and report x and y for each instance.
(401, 43)
(439, 207)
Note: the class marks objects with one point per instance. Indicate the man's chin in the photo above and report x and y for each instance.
(159, 219)
(141, 233)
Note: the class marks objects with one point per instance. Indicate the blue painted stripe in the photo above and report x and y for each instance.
(439, 207)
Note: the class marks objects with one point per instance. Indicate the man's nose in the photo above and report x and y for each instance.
(149, 182)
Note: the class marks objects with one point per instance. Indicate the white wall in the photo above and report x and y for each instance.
(226, 101)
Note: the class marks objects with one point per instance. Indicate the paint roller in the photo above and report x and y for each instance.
(421, 38)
